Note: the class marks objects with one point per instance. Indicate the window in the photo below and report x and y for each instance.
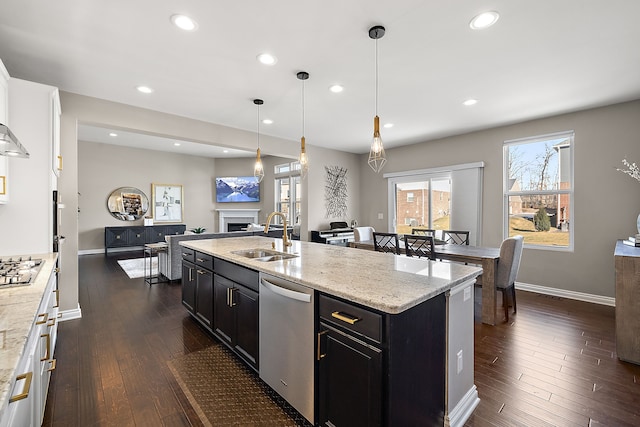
(422, 201)
(538, 190)
(288, 192)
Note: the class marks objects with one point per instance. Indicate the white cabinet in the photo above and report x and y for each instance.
(27, 396)
(4, 119)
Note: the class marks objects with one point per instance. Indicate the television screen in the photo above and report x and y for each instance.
(237, 189)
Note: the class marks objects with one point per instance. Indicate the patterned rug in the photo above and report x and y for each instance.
(135, 267)
(224, 392)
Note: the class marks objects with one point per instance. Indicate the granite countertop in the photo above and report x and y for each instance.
(18, 310)
(385, 282)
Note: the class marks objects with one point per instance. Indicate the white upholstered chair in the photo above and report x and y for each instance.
(363, 233)
(508, 265)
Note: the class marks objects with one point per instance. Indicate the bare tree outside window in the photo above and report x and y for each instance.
(539, 190)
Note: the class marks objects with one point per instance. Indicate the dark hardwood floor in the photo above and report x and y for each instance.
(553, 364)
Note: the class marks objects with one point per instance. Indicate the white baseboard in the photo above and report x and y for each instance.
(71, 314)
(463, 410)
(90, 251)
(580, 296)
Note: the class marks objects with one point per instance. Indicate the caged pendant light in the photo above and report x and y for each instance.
(258, 169)
(377, 156)
(303, 159)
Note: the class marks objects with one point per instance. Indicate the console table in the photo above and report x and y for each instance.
(138, 235)
(627, 264)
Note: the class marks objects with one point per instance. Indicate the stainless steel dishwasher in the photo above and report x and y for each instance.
(287, 341)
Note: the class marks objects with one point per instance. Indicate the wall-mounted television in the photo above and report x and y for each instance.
(235, 189)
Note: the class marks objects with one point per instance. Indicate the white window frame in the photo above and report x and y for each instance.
(571, 191)
(292, 172)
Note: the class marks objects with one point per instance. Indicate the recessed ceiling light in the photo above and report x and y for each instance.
(144, 89)
(177, 144)
(267, 59)
(225, 151)
(484, 20)
(470, 102)
(267, 121)
(388, 125)
(336, 88)
(184, 22)
(113, 134)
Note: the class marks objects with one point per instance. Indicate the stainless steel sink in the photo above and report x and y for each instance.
(264, 255)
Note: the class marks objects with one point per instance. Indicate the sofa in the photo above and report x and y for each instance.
(170, 261)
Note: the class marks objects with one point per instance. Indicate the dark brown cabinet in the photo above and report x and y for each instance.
(369, 364)
(135, 235)
(223, 297)
(189, 286)
(350, 380)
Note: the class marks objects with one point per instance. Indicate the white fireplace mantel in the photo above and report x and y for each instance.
(236, 215)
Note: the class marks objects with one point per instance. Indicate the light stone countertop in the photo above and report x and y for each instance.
(382, 281)
(18, 311)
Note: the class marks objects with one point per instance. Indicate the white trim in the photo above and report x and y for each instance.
(70, 314)
(434, 170)
(249, 215)
(463, 410)
(563, 293)
(90, 251)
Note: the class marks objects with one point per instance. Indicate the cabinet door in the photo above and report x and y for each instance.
(246, 306)
(114, 237)
(204, 297)
(156, 234)
(224, 322)
(136, 236)
(189, 286)
(350, 376)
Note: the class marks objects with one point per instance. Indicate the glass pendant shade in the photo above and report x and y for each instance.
(258, 169)
(303, 160)
(377, 156)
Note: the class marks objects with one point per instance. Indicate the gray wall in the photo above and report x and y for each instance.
(607, 202)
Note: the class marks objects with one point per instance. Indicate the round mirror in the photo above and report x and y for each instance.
(127, 203)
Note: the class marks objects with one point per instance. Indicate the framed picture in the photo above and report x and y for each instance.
(167, 203)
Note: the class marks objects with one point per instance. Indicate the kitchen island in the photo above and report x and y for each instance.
(383, 340)
(27, 340)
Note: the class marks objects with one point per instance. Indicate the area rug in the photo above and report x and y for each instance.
(224, 392)
(135, 267)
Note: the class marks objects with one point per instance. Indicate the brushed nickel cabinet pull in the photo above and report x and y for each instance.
(190, 274)
(44, 317)
(199, 259)
(200, 271)
(47, 355)
(319, 353)
(231, 303)
(53, 365)
(345, 317)
(25, 390)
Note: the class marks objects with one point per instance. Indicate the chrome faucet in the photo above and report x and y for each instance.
(285, 238)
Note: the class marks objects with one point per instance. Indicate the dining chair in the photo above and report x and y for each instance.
(363, 233)
(508, 265)
(386, 242)
(456, 237)
(423, 231)
(419, 246)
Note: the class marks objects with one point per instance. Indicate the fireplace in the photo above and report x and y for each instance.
(243, 217)
(237, 226)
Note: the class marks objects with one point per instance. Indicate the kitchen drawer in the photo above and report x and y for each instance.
(238, 274)
(351, 317)
(188, 254)
(204, 260)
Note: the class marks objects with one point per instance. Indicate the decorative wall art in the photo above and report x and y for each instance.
(167, 202)
(335, 192)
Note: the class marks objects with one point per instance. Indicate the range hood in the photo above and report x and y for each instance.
(9, 144)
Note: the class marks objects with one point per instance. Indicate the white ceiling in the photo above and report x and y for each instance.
(541, 58)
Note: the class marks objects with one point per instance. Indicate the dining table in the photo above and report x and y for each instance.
(486, 257)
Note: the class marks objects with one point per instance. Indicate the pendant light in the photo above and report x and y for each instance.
(258, 169)
(303, 159)
(377, 156)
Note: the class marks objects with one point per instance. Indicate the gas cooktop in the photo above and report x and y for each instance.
(20, 271)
